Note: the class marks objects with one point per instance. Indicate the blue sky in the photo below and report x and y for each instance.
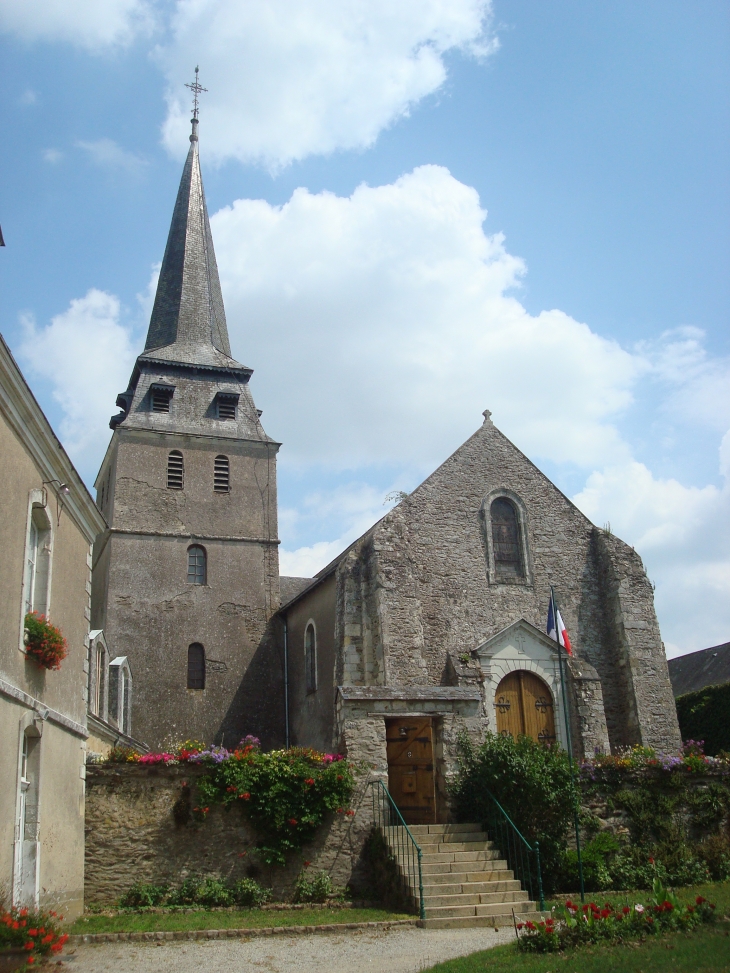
(349, 152)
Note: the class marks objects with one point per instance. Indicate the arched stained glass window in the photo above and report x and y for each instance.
(506, 539)
(196, 666)
(310, 658)
(197, 565)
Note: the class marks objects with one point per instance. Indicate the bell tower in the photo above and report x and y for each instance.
(186, 578)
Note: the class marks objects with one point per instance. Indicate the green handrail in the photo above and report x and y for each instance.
(514, 859)
(408, 851)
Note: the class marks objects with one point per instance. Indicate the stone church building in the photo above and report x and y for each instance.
(430, 624)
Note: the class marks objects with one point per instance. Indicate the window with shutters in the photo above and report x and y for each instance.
(506, 546)
(37, 576)
(310, 657)
(175, 470)
(160, 399)
(221, 474)
(226, 406)
(197, 567)
(196, 666)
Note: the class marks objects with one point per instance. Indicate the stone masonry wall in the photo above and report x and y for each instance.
(419, 586)
(131, 836)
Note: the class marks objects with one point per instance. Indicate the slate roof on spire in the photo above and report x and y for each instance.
(188, 323)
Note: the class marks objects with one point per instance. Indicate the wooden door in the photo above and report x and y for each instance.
(410, 768)
(524, 707)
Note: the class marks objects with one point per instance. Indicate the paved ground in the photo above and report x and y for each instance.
(403, 950)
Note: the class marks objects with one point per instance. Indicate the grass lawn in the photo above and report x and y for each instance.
(240, 919)
(706, 950)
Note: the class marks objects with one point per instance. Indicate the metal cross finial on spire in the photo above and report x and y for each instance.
(196, 88)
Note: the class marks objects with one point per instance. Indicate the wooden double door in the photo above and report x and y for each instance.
(410, 768)
(524, 707)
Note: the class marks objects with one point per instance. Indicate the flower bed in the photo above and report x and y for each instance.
(44, 643)
(37, 933)
(576, 925)
(285, 794)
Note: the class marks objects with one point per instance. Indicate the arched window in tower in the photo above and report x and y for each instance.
(221, 474)
(175, 470)
(196, 666)
(310, 657)
(197, 565)
(506, 539)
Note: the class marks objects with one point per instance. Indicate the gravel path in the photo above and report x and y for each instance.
(403, 950)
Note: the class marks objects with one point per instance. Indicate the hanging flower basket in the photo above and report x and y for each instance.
(44, 643)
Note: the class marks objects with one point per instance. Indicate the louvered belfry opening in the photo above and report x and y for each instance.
(196, 666)
(506, 539)
(221, 474)
(175, 470)
(226, 408)
(160, 399)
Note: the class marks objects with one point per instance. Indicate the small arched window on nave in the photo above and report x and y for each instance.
(506, 539)
(196, 666)
(310, 658)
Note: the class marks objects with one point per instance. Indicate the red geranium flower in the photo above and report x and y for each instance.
(293, 822)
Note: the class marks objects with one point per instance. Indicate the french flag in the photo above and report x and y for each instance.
(558, 631)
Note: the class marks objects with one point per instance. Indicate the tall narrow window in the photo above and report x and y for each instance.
(310, 658)
(221, 474)
(196, 666)
(506, 540)
(197, 569)
(175, 470)
(99, 688)
(37, 562)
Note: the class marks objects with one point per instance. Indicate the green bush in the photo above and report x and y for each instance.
(532, 782)
(597, 856)
(249, 894)
(285, 794)
(703, 715)
(144, 895)
(317, 888)
(209, 892)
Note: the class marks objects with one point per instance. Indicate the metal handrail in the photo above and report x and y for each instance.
(514, 851)
(388, 818)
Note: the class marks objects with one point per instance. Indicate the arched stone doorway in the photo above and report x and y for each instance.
(524, 706)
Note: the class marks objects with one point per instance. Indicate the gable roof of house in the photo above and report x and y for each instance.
(708, 667)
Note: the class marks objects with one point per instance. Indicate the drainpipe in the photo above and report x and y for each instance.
(286, 681)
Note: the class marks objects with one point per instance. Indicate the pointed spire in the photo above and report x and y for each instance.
(188, 322)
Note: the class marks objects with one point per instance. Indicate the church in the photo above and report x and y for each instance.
(430, 625)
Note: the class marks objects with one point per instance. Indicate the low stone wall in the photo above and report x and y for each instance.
(132, 836)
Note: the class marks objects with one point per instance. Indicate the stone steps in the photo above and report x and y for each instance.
(465, 881)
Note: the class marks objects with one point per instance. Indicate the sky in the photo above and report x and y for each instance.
(420, 210)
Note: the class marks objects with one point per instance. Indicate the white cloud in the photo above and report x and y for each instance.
(287, 79)
(86, 356)
(93, 24)
(52, 156)
(388, 326)
(28, 98)
(107, 154)
(683, 535)
(380, 325)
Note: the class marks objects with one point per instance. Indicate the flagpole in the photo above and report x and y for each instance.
(570, 743)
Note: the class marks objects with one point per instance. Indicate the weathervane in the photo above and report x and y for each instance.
(196, 88)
